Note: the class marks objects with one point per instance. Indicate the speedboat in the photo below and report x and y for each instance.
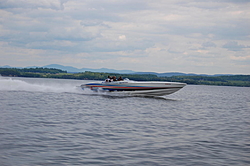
(142, 88)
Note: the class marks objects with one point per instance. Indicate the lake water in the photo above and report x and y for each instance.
(53, 122)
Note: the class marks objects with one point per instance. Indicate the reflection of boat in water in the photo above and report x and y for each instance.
(143, 88)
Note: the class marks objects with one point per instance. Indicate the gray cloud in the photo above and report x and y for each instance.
(234, 46)
(208, 44)
(55, 5)
(174, 32)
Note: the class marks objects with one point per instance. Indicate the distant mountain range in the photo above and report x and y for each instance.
(76, 70)
(71, 69)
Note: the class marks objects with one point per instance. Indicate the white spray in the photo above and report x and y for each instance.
(10, 84)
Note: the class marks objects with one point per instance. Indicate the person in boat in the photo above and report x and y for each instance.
(120, 79)
(108, 79)
(114, 78)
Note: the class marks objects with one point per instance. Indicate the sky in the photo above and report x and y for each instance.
(190, 36)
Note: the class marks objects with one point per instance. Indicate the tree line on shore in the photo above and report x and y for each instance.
(231, 80)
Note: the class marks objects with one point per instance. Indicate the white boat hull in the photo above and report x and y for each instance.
(137, 87)
(161, 92)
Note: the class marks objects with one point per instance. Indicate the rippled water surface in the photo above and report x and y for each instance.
(53, 122)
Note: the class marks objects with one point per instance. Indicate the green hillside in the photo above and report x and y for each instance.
(232, 80)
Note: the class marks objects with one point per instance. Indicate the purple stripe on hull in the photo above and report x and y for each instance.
(119, 88)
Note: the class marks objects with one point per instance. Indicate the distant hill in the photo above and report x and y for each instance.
(6, 66)
(166, 74)
(170, 74)
(66, 68)
(71, 69)
(105, 70)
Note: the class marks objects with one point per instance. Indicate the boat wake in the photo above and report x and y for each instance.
(9, 84)
(57, 86)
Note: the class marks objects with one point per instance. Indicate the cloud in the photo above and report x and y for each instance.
(234, 46)
(122, 37)
(209, 44)
(55, 4)
(141, 35)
